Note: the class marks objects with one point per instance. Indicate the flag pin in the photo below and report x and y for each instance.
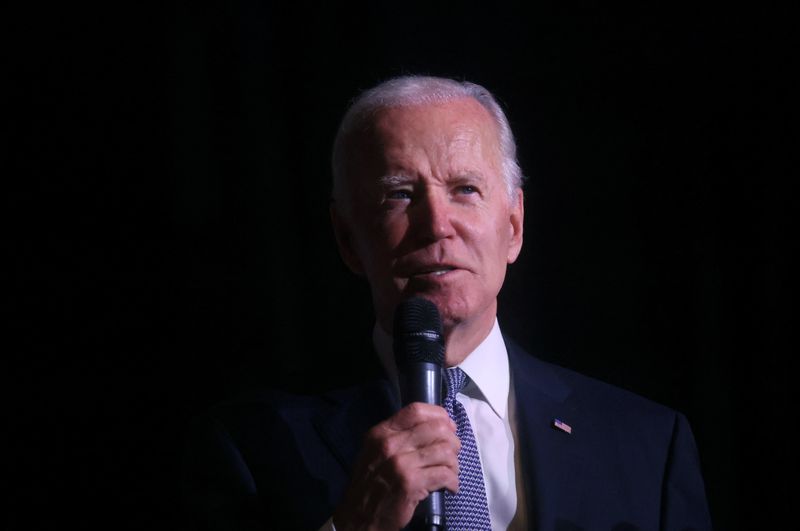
(561, 425)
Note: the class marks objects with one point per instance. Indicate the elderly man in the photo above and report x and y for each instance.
(427, 202)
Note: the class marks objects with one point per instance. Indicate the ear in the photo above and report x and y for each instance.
(515, 225)
(344, 240)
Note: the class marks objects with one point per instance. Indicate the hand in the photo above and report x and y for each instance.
(404, 458)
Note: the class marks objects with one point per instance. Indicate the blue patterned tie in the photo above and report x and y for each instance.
(468, 509)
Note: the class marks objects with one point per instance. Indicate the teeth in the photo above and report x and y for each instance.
(436, 272)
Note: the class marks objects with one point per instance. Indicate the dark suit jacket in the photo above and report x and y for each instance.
(274, 461)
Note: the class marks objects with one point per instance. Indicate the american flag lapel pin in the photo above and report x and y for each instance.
(561, 425)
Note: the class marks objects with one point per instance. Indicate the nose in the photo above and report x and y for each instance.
(433, 216)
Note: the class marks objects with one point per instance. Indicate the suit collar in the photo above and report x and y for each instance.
(531, 374)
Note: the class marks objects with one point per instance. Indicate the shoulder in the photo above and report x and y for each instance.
(627, 454)
(267, 410)
(605, 403)
(252, 427)
(262, 453)
(257, 408)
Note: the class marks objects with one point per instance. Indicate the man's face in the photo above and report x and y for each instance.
(430, 211)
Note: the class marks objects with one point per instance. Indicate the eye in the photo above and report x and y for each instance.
(467, 189)
(399, 194)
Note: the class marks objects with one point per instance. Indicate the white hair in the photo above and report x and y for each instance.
(421, 90)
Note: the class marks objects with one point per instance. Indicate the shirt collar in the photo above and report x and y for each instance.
(486, 366)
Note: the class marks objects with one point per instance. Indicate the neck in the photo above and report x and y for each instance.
(464, 337)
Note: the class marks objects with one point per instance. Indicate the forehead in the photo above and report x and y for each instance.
(457, 132)
(445, 124)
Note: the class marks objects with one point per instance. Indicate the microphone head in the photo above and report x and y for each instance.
(418, 333)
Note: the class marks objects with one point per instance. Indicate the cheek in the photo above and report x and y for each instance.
(495, 250)
(377, 247)
(388, 233)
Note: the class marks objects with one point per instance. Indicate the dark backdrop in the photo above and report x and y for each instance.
(167, 191)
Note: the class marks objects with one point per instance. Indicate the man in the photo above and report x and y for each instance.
(427, 202)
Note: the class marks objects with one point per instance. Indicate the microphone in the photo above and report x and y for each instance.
(419, 354)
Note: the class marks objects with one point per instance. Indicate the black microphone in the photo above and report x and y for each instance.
(419, 354)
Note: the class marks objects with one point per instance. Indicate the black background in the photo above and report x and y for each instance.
(167, 191)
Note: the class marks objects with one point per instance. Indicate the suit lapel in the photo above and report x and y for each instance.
(549, 457)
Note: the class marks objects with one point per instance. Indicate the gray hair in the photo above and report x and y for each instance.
(421, 90)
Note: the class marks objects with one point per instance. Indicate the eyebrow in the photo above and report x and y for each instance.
(395, 179)
(398, 179)
(469, 177)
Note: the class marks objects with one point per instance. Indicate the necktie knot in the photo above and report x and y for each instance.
(456, 380)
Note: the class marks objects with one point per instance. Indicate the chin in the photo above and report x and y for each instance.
(455, 306)
(452, 313)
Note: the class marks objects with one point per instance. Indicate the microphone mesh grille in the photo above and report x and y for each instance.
(418, 332)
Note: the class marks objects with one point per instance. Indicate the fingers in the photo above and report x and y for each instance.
(429, 468)
(413, 427)
(417, 413)
(404, 458)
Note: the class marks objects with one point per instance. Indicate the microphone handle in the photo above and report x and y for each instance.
(422, 382)
(431, 511)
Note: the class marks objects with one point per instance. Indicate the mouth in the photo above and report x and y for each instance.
(432, 271)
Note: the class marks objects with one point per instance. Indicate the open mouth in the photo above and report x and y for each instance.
(435, 271)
